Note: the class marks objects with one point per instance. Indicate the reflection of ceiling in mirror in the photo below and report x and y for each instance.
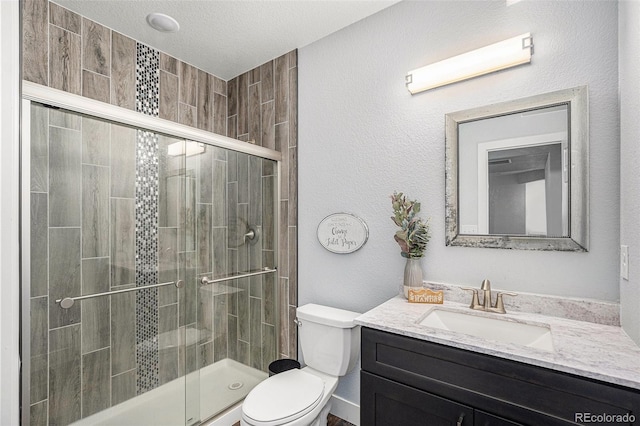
(519, 160)
(527, 123)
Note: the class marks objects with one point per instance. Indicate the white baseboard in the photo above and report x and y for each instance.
(346, 410)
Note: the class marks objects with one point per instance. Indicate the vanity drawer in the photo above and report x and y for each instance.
(513, 390)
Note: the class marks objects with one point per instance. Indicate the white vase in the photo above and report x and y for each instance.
(412, 275)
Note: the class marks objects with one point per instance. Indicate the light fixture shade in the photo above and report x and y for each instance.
(163, 23)
(187, 148)
(495, 57)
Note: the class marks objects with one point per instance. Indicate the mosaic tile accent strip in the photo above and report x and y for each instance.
(147, 80)
(146, 216)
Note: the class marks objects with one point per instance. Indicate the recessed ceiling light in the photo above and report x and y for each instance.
(163, 23)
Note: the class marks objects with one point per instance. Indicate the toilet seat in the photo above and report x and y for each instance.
(283, 398)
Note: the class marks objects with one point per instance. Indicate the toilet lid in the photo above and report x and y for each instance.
(283, 397)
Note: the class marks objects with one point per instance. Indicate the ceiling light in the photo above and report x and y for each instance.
(495, 57)
(163, 23)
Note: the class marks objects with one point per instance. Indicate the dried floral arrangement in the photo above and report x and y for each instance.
(413, 235)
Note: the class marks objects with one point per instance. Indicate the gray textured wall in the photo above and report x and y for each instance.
(629, 16)
(363, 136)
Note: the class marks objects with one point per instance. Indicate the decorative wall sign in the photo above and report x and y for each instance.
(342, 233)
(424, 295)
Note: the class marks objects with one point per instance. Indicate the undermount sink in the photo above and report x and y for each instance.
(502, 330)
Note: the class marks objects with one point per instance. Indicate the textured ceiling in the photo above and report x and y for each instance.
(228, 37)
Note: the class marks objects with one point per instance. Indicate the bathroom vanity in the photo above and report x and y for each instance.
(416, 375)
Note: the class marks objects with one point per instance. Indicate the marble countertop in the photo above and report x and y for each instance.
(597, 351)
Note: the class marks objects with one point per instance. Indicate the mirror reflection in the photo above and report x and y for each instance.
(514, 178)
(517, 173)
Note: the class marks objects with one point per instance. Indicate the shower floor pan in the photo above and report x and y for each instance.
(222, 384)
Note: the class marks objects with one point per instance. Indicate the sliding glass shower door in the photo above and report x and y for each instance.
(233, 213)
(132, 244)
(229, 321)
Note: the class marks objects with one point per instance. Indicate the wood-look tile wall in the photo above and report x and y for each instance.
(263, 109)
(63, 50)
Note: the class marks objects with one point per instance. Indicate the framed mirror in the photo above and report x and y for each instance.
(517, 174)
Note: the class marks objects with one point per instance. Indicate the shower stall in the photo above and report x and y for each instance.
(149, 259)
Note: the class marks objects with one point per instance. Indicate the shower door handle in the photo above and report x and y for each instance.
(266, 270)
(67, 302)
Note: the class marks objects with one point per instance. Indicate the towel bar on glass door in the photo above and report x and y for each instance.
(266, 270)
(67, 302)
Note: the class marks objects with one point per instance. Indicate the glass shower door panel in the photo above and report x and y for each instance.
(235, 231)
(181, 185)
(106, 205)
(177, 341)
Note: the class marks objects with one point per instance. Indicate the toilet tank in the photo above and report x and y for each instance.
(329, 339)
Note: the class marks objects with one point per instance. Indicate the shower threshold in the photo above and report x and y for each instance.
(222, 384)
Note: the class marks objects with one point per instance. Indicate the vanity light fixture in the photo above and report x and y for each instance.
(163, 23)
(495, 57)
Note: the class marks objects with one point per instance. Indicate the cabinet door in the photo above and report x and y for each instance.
(486, 419)
(387, 403)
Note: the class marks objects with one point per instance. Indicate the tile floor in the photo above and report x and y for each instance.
(337, 421)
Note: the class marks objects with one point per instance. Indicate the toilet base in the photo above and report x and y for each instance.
(321, 420)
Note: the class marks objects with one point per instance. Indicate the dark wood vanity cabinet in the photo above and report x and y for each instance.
(406, 381)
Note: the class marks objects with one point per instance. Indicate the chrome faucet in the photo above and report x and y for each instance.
(497, 308)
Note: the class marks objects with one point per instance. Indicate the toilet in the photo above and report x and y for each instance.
(330, 344)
